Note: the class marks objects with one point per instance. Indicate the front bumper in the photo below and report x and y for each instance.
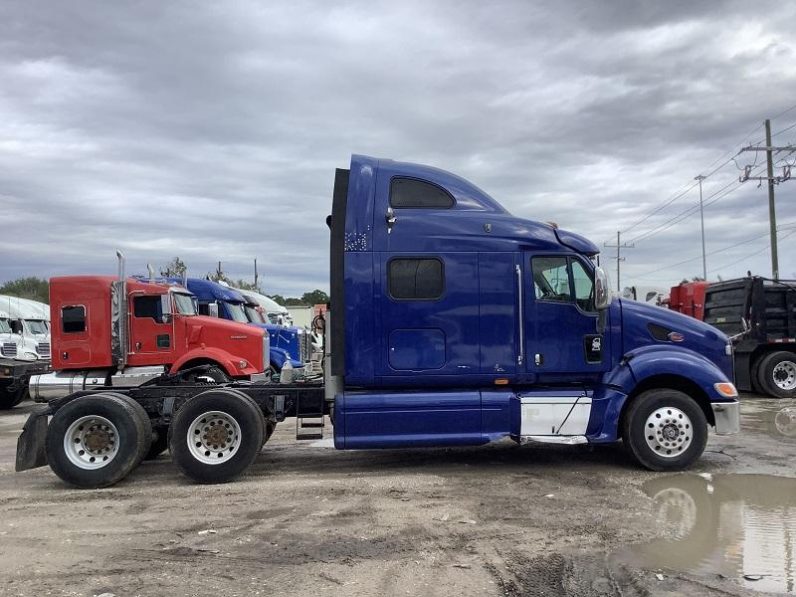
(727, 416)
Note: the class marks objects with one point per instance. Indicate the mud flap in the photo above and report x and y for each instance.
(31, 451)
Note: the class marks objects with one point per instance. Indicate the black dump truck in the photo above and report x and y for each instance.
(14, 378)
(759, 314)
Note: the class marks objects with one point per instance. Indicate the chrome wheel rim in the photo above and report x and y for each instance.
(784, 375)
(668, 432)
(91, 442)
(214, 437)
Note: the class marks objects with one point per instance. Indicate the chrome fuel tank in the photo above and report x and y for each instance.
(50, 386)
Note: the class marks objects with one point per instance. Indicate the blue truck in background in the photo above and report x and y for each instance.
(451, 323)
(287, 343)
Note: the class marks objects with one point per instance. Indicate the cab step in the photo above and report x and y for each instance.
(309, 428)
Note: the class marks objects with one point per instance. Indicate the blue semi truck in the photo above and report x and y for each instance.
(452, 323)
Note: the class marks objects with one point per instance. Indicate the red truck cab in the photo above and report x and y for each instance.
(102, 322)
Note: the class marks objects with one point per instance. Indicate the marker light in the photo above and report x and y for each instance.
(726, 389)
(501, 381)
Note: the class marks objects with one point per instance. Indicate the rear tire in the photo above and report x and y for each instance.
(9, 399)
(665, 430)
(95, 441)
(777, 374)
(754, 375)
(216, 435)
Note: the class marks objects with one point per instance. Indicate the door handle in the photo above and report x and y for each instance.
(390, 219)
(520, 315)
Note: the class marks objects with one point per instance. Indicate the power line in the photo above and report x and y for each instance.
(716, 251)
(677, 195)
(763, 250)
(711, 199)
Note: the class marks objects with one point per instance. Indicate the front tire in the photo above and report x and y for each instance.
(216, 435)
(777, 374)
(665, 430)
(96, 441)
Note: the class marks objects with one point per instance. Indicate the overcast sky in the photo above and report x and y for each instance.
(211, 130)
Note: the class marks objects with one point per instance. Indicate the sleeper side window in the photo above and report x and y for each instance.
(416, 279)
(551, 279)
(410, 193)
(73, 319)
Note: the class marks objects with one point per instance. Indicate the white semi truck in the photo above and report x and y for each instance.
(30, 322)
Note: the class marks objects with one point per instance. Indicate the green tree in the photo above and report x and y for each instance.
(315, 297)
(277, 297)
(33, 288)
(174, 268)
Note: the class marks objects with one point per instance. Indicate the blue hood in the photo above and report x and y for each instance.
(647, 325)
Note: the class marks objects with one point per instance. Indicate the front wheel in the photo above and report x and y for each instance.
(665, 430)
(777, 374)
(216, 435)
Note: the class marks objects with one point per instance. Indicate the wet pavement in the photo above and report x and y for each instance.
(736, 527)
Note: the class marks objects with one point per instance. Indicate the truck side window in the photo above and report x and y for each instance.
(410, 193)
(551, 279)
(584, 286)
(73, 319)
(148, 306)
(416, 279)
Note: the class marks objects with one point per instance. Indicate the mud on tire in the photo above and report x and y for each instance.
(664, 430)
(95, 441)
(216, 435)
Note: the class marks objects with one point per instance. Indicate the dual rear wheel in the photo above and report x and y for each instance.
(97, 440)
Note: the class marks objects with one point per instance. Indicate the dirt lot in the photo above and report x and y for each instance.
(499, 520)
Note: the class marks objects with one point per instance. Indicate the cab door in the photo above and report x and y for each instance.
(563, 341)
(151, 328)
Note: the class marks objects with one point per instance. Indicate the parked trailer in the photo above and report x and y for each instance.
(760, 314)
(452, 323)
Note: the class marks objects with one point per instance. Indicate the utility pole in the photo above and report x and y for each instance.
(700, 178)
(772, 180)
(255, 274)
(619, 246)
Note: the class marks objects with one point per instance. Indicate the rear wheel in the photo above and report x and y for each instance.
(754, 375)
(665, 430)
(777, 374)
(216, 435)
(95, 441)
(9, 399)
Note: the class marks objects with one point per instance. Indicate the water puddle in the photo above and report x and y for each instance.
(771, 419)
(737, 527)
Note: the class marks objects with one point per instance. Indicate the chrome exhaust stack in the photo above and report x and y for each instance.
(119, 316)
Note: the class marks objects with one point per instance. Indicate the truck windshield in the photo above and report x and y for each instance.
(37, 327)
(236, 312)
(5, 328)
(184, 304)
(254, 315)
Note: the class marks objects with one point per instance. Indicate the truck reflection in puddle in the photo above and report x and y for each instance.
(740, 527)
(770, 418)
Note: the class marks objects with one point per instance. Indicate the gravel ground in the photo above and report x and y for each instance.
(308, 520)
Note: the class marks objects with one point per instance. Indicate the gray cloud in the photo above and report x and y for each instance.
(211, 131)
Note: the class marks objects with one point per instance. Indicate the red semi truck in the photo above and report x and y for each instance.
(113, 331)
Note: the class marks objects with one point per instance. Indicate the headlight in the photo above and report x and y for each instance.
(726, 389)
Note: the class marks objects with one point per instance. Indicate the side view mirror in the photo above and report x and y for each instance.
(212, 309)
(602, 293)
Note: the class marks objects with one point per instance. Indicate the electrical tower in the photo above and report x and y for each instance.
(619, 246)
(772, 180)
